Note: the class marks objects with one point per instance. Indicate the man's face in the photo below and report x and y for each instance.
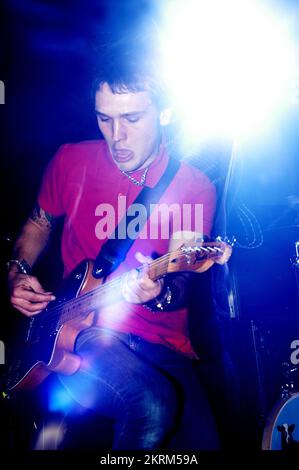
(130, 124)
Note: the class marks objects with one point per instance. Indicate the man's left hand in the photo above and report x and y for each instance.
(137, 287)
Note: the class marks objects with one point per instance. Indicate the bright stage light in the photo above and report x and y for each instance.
(229, 64)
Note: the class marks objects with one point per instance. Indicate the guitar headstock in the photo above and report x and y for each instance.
(199, 257)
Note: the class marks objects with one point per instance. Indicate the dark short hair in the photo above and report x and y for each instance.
(130, 69)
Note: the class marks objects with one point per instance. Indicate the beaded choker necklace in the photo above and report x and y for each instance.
(142, 179)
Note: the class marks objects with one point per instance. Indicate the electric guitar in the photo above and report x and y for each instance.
(48, 339)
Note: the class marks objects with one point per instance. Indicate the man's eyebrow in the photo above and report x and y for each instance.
(99, 113)
(132, 113)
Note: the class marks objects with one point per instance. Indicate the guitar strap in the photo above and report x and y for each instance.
(115, 249)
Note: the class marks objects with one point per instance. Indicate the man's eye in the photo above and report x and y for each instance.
(103, 118)
(132, 118)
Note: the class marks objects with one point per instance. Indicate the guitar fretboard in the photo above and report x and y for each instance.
(110, 292)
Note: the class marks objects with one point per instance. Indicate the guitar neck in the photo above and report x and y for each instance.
(107, 293)
(198, 258)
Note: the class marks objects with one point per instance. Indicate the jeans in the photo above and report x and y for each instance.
(151, 391)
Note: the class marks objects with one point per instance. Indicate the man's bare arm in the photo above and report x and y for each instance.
(26, 293)
(34, 236)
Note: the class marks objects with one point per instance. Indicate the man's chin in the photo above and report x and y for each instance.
(127, 166)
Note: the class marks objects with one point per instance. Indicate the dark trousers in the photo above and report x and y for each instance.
(152, 392)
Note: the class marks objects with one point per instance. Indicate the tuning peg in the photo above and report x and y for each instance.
(230, 241)
(295, 262)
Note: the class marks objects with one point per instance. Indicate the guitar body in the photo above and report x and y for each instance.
(43, 352)
(48, 339)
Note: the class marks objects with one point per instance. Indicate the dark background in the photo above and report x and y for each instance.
(47, 54)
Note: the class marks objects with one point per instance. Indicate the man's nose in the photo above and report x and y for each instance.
(118, 131)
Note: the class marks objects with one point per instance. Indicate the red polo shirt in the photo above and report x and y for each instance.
(83, 183)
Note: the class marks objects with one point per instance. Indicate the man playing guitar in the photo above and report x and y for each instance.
(136, 362)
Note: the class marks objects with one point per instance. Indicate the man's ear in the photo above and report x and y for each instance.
(165, 116)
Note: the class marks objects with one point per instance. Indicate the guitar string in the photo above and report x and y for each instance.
(52, 316)
(103, 289)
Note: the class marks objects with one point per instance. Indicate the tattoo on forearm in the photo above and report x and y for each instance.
(42, 218)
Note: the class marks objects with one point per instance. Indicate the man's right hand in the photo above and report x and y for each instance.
(27, 295)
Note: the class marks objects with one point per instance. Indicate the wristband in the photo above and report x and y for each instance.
(23, 266)
(160, 302)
